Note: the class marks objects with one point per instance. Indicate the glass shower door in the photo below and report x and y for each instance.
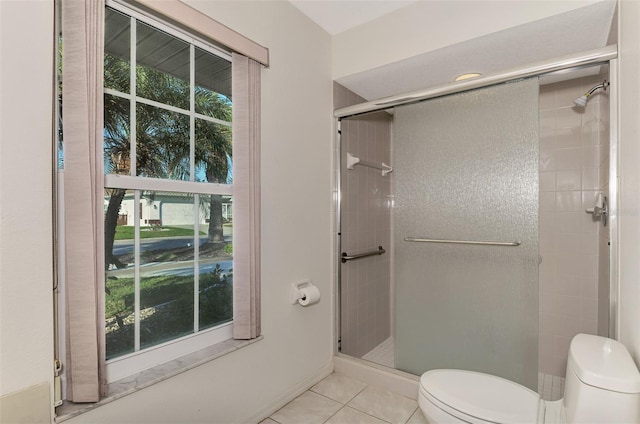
(466, 169)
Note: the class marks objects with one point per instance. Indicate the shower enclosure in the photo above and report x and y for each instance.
(466, 232)
(462, 229)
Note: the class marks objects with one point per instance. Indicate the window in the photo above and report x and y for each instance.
(167, 130)
(159, 189)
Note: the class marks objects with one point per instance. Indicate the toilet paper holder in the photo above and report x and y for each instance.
(295, 292)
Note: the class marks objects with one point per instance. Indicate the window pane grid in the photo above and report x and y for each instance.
(171, 151)
(143, 183)
(136, 261)
(192, 108)
(132, 90)
(199, 96)
(215, 269)
(196, 264)
(149, 102)
(130, 10)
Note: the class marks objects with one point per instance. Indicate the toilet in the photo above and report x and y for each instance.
(602, 386)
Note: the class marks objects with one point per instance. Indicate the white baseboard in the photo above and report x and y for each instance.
(290, 394)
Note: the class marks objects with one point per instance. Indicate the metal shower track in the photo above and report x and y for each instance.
(576, 60)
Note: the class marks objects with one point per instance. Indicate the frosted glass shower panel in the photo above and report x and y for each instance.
(466, 168)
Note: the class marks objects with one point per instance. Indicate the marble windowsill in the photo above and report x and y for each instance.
(146, 378)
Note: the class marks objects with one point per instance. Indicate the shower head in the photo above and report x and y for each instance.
(582, 100)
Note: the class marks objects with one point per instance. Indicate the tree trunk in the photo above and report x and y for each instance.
(215, 219)
(110, 223)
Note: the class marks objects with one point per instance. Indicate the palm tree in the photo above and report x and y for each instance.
(162, 139)
(116, 145)
(213, 152)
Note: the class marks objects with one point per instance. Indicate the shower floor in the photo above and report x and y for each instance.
(550, 387)
(383, 354)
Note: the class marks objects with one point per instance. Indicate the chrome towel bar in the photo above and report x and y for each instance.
(352, 161)
(346, 257)
(484, 243)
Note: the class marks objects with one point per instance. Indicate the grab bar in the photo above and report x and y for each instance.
(484, 243)
(346, 257)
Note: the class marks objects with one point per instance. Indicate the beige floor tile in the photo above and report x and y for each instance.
(308, 408)
(385, 405)
(339, 388)
(417, 418)
(268, 421)
(350, 416)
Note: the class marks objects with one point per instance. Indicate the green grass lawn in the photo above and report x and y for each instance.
(156, 290)
(125, 232)
(172, 296)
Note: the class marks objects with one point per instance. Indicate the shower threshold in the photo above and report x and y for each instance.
(550, 387)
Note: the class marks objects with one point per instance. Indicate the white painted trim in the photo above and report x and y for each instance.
(124, 366)
(164, 106)
(156, 184)
(136, 273)
(210, 119)
(144, 358)
(62, 298)
(133, 53)
(196, 263)
(192, 109)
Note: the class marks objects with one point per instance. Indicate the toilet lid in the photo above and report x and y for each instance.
(481, 396)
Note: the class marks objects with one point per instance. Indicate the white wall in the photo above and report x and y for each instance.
(26, 347)
(297, 140)
(430, 25)
(296, 236)
(629, 175)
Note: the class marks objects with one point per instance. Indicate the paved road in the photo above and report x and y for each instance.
(121, 247)
(182, 268)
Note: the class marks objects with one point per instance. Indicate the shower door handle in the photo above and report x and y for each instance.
(483, 243)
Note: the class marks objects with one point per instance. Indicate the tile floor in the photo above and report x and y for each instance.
(342, 400)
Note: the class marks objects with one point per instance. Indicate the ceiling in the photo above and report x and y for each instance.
(336, 16)
(579, 30)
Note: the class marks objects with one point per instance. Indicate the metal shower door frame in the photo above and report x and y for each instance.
(604, 55)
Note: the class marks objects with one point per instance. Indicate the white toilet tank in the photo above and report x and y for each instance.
(602, 383)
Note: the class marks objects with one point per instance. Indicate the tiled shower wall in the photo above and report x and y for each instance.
(574, 168)
(366, 224)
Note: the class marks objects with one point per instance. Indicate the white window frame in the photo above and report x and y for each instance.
(142, 359)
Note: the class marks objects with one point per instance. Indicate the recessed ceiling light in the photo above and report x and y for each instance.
(466, 76)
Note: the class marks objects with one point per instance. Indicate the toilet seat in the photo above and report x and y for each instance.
(479, 398)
